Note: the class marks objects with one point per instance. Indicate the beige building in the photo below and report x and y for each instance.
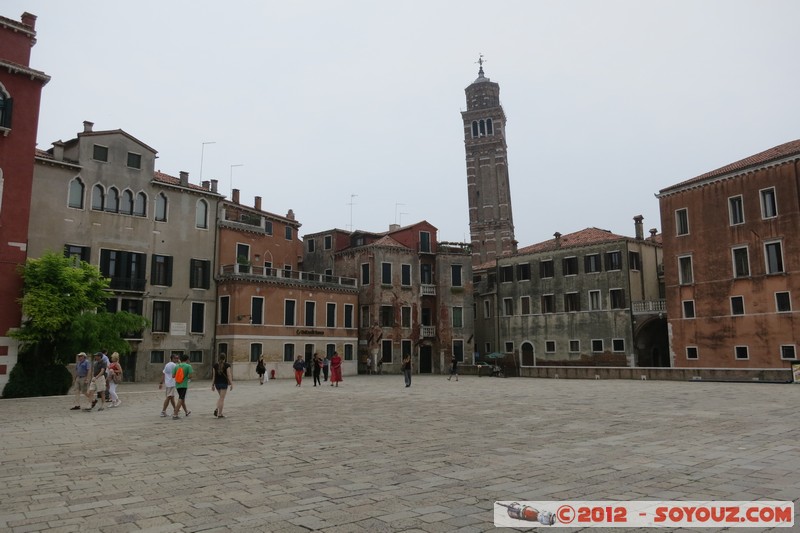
(98, 198)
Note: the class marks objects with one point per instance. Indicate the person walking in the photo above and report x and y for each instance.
(369, 365)
(82, 370)
(453, 368)
(261, 370)
(407, 369)
(222, 382)
(336, 369)
(182, 372)
(317, 368)
(168, 382)
(114, 377)
(325, 363)
(299, 369)
(97, 387)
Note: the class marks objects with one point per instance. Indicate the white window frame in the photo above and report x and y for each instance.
(599, 295)
(736, 352)
(794, 351)
(602, 346)
(681, 218)
(522, 305)
(777, 309)
(547, 345)
(614, 349)
(736, 209)
(743, 307)
(696, 353)
(683, 309)
(769, 201)
(766, 257)
(736, 273)
(681, 280)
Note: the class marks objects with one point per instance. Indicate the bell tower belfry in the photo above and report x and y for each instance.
(491, 224)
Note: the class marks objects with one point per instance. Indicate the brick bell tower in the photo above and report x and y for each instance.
(491, 224)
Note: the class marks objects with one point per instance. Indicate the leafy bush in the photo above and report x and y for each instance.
(41, 380)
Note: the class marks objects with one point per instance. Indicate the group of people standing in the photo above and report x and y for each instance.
(319, 365)
(97, 380)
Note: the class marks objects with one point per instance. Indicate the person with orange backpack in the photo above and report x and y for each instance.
(182, 372)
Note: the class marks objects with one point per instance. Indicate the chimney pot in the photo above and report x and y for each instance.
(639, 228)
(394, 227)
(290, 214)
(258, 203)
(58, 150)
(653, 233)
(87, 126)
(29, 20)
(235, 196)
(214, 185)
(184, 178)
(206, 184)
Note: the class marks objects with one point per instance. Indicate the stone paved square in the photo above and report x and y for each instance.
(372, 455)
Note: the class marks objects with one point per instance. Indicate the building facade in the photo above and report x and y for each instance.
(491, 222)
(588, 298)
(150, 233)
(20, 96)
(267, 305)
(732, 263)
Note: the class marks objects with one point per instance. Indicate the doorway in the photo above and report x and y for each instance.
(425, 360)
(309, 358)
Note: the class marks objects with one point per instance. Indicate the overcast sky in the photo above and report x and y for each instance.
(607, 101)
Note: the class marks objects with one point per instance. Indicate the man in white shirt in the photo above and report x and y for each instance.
(168, 382)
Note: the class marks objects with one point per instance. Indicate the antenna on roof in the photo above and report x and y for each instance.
(351, 210)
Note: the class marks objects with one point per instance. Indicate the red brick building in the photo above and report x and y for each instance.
(732, 263)
(20, 95)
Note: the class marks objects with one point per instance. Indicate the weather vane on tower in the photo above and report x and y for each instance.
(480, 62)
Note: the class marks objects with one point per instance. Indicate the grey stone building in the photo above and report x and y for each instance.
(98, 198)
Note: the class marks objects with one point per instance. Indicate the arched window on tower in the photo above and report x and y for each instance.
(76, 189)
(482, 127)
(489, 128)
(474, 128)
(98, 197)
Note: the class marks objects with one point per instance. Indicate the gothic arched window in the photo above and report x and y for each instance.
(482, 127)
(161, 207)
(98, 197)
(126, 207)
(474, 128)
(112, 202)
(201, 214)
(140, 205)
(76, 189)
(489, 128)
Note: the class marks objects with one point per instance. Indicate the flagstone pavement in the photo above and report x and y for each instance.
(374, 456)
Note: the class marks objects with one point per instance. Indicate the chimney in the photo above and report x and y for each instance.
(394, 227)
(235, 196)
(58, 150)
(206, 184)
(637, 224)
(29, 20)
(290, 214)
(184, 178)
(87, 126)
(557, 235)
(258, 203)
(653, 233)
(213, 185)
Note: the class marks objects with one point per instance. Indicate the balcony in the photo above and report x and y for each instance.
(260, 272)
(649, 307)
(127, 284)
(428, 332)
(427, 290)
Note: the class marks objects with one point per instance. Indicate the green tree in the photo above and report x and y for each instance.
(63, 308)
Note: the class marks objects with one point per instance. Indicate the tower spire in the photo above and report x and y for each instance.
(480, 62)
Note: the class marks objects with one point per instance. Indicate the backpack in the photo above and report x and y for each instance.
(179, 375)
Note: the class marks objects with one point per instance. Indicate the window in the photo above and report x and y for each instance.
(348, 352)
(268, 227)
(243, 257)
(222, 348)
(76, 189)
(508, 306)
(198, 317)
(365, 323)
(737, 305)
(682, 222)
(348, 315)
(426, 274)
(224, 309)
(455, 275)
(365, 273)
(546, 269)
(617, 298)
(405, 347)
(126, 269)
(634, 261)
(405, 275)
(572, 302)
(386, 351)
(199, 274)
(424, 242)
(100, 153)
(506, 273)
(741, 262)
(257, 310)
(458, 317)
(330, 315)
(688, 309)
(256, 350)
(201, 214)
(788, 351)
(161, 207)
(328, 242)
(458, 350)
(509, 347)
(487, 309)
(691, 352)
(594, 301)
(617, 345)
(597, 345)
(311, 309)
(685, 275)
(287, 232)
(387, 320)
(77, 253)
(773, 257)
(613, 261)
(783, 303)
(741, 352)
(591, 263)
(769, 206)
(140, 205)
(98, 198)
(157, 357)
(161, 270)
(160, 316)
(548, 303)
(386, 273)
(736, 210)
(570, 266)
(288, 312)
(134, 160)
(405, 316)
(311, 246)
(112, 201)
(288, 353)
(5, 110)
(328, 274)
(550, 346)
(523, 271)
(525, 305)
(574, 346)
